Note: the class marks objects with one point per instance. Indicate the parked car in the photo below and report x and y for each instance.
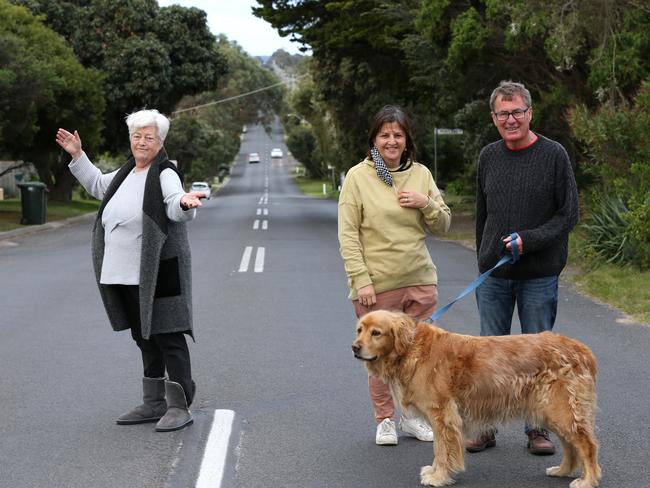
(253, 158)
(201, 186)
(276, 152)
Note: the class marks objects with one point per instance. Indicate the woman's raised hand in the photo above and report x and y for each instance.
(71, 143)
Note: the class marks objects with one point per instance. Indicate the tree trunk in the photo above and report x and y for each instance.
(61, 191)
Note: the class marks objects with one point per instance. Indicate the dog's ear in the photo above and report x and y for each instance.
(403, 328)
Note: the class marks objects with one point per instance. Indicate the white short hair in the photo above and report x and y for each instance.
(148, 118)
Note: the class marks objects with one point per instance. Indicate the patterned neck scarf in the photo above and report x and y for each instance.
(380, 167)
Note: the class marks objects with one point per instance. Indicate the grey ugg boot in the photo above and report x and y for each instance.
(178, 414)
(153, 407)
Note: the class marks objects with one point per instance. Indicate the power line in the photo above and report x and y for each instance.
(196, 107)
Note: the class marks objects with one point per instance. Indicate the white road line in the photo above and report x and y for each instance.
(265, 224)
(261, 200)
(259, 260)
(246, 257)
(256, 224)
(266, 211)
(216, 450)
(259, 211)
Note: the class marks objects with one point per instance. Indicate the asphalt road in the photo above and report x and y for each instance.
(273, 346)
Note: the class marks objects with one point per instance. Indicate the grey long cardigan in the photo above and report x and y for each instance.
(165, 263)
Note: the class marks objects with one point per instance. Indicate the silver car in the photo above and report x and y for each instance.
(201, 186)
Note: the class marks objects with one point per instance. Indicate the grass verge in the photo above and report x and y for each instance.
(314, 188)
(11, 211)
(626, 288)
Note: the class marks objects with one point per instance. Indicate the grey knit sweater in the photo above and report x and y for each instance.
(533, 192)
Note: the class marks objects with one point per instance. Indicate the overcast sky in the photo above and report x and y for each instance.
(235, 19)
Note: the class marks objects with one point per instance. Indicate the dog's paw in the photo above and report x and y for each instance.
(430, 476)
(581, 483)
(557, 471)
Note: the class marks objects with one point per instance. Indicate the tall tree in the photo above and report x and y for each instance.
(150, 56)
(43, 87)
(442, 58)
(358, 57)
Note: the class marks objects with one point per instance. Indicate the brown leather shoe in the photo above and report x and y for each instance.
(481, 443)
(539, 443)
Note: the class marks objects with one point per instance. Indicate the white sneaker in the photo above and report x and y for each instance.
(416, 427)
(386, 433)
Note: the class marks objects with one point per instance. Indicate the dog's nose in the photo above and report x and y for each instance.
(355, 348)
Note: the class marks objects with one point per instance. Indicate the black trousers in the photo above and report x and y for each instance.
(161, 351)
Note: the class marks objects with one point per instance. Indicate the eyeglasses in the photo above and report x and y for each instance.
(148, 139)
(517, 114)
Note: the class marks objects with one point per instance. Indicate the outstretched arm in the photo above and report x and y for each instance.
(71, 143)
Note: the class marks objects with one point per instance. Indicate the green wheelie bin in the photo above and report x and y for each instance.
(34, 202)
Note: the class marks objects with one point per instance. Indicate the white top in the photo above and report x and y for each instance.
(122, 216)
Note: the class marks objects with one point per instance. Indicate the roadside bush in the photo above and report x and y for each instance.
(456, 187)
(606, 239)
(301, 141)
(617, 229)
(639, 212)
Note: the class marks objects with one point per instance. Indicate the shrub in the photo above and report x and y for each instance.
(617, 229)
(639, 213)
(606, 236)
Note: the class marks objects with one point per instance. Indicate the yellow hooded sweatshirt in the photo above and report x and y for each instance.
(381, 242)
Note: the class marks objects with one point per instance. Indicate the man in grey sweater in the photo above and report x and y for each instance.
(525, 185)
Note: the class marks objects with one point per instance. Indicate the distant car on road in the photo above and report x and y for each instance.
(253, 158)
(201, 186)
(276, 152)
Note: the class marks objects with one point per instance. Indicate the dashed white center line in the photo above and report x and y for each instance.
(265, 224)
(259, 211)
(259, 260)
(266, 211)
(216, 450)
(256, 224)
(246, 257)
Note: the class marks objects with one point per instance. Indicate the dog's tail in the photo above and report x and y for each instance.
(588, 359)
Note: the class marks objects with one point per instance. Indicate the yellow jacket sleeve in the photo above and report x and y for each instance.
(437, 216)
(349, 222)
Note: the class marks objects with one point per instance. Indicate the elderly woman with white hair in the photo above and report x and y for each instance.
(141, 257)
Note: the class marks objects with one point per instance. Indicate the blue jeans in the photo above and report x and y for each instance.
(536, 301)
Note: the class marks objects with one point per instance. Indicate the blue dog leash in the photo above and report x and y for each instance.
(512, 258)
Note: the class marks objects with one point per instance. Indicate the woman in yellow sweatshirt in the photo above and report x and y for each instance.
(387, 204)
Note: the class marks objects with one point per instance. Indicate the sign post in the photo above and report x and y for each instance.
(442, 132)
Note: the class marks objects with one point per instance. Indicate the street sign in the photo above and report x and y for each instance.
(441, 131)
(449, 132)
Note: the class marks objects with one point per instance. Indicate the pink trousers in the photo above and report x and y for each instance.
(417, 301)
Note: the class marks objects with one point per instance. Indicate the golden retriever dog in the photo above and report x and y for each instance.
(465, 384)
